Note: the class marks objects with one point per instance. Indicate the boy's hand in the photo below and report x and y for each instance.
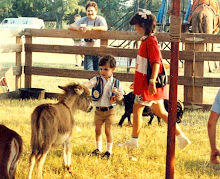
(118, 96)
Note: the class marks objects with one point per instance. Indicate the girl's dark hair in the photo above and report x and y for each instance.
(107, 59)
(149, 23)
(93, 4)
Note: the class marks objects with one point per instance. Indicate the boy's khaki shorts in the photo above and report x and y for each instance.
(107, 117)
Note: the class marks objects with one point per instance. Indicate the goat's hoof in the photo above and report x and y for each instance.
(68, 168)
(129, 124)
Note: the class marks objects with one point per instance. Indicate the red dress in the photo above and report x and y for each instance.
(148, 48)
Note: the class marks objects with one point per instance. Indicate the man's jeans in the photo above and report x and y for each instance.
(91, 62)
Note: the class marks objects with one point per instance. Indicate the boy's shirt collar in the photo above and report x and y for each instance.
(109, 79)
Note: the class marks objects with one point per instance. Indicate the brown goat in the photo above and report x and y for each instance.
(10, 151)
(52, 124)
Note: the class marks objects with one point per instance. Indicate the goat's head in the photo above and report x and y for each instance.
(80, 94)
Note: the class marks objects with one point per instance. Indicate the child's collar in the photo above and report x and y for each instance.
(110, 78)
(143, 38)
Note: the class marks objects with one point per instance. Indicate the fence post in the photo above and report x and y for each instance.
(193, 94)
(28, 62)
(18, 64)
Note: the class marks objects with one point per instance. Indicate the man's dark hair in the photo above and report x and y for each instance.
(149, 23)
(107, 59)
(93, 4)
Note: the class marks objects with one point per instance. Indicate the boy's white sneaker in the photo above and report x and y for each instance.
(183, 142)
(129, 144)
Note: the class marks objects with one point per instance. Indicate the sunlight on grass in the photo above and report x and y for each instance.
(193, 162)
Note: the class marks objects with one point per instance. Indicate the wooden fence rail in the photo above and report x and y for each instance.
(193, 55)
(10, 48)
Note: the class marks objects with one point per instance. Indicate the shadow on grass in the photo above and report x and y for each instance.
(202, 167)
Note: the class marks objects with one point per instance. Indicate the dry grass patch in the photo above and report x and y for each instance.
(193, 162)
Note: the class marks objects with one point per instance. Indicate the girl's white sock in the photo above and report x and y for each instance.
(134, 140)
(182, 141)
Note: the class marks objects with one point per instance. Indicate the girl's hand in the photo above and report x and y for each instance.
(152, 88)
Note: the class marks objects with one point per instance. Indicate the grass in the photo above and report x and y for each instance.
(193, 162)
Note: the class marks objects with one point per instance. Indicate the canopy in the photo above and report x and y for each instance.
(162, 12)
(188, 10)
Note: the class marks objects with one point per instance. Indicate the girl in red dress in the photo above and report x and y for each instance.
(147, 94)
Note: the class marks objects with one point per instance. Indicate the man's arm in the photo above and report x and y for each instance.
(73, 27)
(102, 28)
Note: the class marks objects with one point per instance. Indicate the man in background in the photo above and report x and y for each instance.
(90, 22)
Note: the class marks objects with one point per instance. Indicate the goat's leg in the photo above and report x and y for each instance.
(14, 155)
(129, 120)
(40, 164)
(31, 164)
(150, 121)
(67, 154)
(122, 119)
(159, 122)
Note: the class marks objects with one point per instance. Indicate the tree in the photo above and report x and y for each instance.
(112, 10)
(27, 8)
(60, 8)
(37, 8)
(5, 10)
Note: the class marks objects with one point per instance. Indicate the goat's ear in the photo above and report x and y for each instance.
(61, 87)
(181, 104)
(79, 90)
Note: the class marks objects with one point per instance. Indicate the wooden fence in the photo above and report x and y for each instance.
(16, 48)
(193, 55)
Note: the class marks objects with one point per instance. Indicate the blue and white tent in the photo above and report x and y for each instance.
(162, 11)
(188, 11)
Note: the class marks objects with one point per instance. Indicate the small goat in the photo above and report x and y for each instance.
(148, 111)
(52, 124)
(10, 151)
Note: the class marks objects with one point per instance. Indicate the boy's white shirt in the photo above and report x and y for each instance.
(107, 86)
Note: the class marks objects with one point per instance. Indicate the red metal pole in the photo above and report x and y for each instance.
(170, 157)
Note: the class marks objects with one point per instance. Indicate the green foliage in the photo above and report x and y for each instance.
(64, 10)
(112, 10)
(5, 10)
(27, 8)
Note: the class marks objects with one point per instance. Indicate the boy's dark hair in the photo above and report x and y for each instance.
(107, 59)
(149, 23)
(93, 4)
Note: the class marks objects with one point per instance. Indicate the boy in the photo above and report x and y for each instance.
(106, 91)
